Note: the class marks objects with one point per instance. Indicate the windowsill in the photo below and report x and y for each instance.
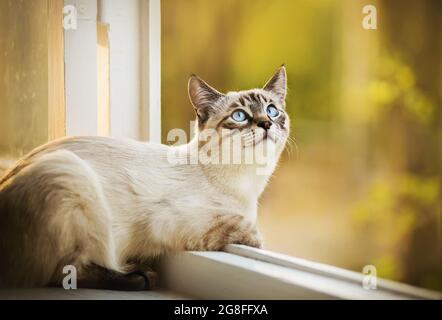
(85, 294)
(242, 273)
(248, 273)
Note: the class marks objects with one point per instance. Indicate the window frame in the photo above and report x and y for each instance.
(133, 63)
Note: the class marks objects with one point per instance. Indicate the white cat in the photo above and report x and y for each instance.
(107, 205)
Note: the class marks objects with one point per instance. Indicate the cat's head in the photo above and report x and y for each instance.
(257, 117)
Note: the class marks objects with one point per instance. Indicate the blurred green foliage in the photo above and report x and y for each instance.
(366, 114)
(396, 85)
(394, 209)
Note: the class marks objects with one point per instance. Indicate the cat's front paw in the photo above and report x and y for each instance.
(254, 239)
(230, 229)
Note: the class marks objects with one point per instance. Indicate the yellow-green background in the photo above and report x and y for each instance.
(362, 184)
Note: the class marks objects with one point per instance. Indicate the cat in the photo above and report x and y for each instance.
(106, 205)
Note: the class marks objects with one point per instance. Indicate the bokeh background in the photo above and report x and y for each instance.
(362, 184)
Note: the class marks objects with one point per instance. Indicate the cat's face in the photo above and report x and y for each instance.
(254, 119)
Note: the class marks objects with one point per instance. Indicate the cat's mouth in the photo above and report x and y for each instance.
(271, 136)
(266, 137)
(263, 137)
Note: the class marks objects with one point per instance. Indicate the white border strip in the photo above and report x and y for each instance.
(154, 71)
(80, 52)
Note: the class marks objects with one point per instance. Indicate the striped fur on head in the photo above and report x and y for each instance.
(214, 109)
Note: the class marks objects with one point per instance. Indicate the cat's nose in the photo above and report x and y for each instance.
(265, 124)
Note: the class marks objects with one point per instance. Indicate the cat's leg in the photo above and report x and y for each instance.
(226, 229)
(97, 277)
(199, 230)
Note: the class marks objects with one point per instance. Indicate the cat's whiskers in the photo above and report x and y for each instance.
(291, 142)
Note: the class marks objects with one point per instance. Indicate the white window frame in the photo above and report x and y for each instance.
(239, 272)
(135, 68)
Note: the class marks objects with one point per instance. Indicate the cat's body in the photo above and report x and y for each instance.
(95, 201)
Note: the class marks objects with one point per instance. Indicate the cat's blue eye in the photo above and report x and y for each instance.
(239, 116)
(272, 112)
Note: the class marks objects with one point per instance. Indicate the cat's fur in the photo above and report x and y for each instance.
(102, 204)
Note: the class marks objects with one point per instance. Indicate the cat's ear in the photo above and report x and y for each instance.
(278, 83)
(202, 96)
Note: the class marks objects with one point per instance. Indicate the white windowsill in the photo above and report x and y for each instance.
(248, 273)
(86, 294)
(242, 273)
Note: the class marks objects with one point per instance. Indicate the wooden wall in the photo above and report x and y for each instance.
(31, 75)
